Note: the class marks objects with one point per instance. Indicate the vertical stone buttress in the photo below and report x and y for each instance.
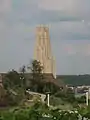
(43, 50)
(1, 83)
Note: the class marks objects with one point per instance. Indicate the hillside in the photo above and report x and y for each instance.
(67, 79)
(74, 79)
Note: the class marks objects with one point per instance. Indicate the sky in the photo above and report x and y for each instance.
(69, 24)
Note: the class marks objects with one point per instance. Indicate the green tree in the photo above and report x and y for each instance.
(36, 75)
(12, 79)
(15, 92)
(6, 83)
(22, 76)
(84, 112)
(23, 69)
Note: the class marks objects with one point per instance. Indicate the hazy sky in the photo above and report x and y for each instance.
(69, 22)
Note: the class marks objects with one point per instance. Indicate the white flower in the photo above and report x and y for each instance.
(76, 111)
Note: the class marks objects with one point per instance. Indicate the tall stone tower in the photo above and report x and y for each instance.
(43, 50)
(1, 82)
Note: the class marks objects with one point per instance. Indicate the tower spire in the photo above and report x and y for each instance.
(43, 50)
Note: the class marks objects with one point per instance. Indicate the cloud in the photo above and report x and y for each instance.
(86, 51)
(72, 57)
(56, 4)
(78, 8)
(69, 48)
(38, 16)
(69, 34)
(5, 6)
(29, 12)
(70, 31)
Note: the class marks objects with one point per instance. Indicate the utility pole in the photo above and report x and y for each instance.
(87, 98)
(48, 98)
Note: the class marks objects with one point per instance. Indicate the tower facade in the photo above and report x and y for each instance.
(43, 50)
(1, 82)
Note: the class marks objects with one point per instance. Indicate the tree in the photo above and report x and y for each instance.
(14, 85)
(36, 75)
(84, 112)
(23, 69)
(7, 83)
(22, 75)
(13, 78)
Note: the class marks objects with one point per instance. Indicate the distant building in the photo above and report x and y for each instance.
(43, 52)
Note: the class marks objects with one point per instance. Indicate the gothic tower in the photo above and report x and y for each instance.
(43, 50)
(1, 82)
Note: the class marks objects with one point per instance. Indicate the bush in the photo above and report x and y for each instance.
(82, 99)
(68, 97)
(41, 111)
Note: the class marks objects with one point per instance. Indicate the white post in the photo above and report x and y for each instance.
(87, 98)
(75, 91)
(48, 99)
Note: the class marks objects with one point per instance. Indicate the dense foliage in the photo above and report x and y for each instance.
(70, 97)
(36, 76)
(13, 87)
(16, 83)
(41, 111)
(38, 82)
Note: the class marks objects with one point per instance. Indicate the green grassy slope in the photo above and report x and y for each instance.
(74, 79)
